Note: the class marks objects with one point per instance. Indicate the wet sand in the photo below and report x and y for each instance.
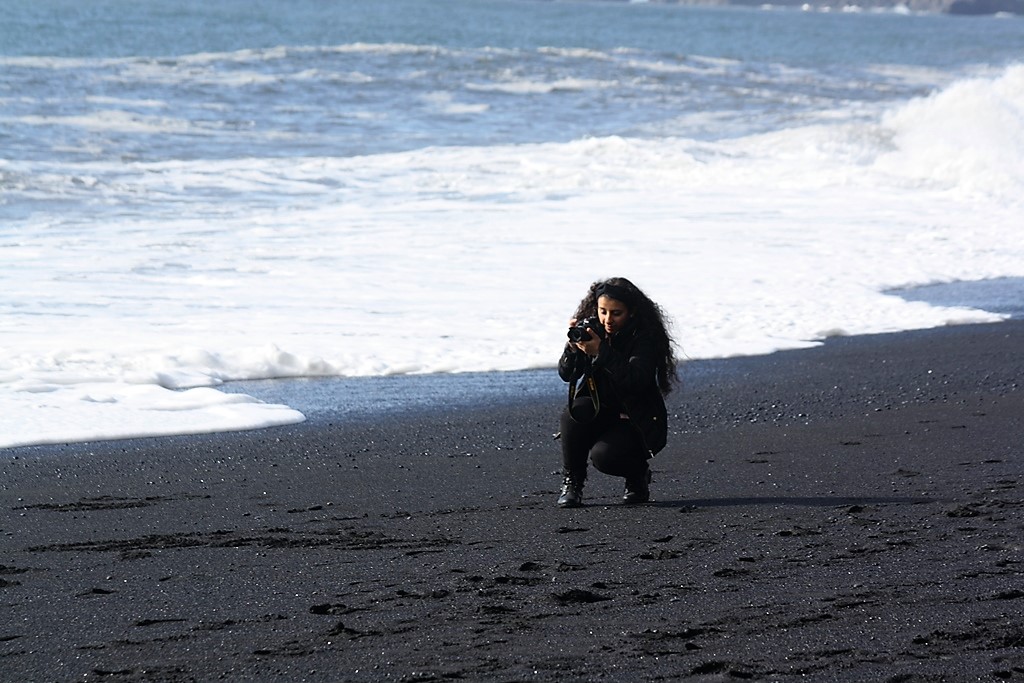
(851, 512)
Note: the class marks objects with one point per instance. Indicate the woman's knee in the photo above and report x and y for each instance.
(618, 453)
(580, 413)
(609, 459)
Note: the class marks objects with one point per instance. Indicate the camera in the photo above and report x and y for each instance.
(579, 333)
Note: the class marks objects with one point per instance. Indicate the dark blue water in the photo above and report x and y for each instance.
(151, 81)
(130, 28)
(1004, 295)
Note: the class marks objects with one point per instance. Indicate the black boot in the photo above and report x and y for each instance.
(571, 495)
(638, 488)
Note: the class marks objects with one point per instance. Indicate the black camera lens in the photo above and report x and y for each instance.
(580, 333)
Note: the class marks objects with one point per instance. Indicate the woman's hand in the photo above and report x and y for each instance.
(592, 346)
(571, 344)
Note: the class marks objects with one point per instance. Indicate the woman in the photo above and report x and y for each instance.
(616, 415)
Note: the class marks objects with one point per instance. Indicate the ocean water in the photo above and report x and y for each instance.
(195, 193)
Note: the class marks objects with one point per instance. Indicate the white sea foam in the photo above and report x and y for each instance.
(120, 121)
(519, 87)
(969, 136)
(453, 259)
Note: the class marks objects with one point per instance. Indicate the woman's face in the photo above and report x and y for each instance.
(612, 313)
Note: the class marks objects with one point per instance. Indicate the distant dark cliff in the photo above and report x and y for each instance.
(986, 6)
(942, 6)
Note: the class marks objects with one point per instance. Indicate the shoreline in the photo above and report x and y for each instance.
(374, 397)
(847, 512)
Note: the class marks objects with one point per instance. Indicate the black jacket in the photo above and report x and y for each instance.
(625, 371)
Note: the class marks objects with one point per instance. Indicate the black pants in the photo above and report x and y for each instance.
(609, 441)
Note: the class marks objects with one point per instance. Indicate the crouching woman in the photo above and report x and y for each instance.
(619, 363)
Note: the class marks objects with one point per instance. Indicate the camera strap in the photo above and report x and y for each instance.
(592, 386)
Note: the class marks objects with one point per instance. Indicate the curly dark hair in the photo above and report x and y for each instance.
(648, 316)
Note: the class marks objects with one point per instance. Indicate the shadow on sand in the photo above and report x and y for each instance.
(798, 501)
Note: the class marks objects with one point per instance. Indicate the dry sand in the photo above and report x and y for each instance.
(846, 513)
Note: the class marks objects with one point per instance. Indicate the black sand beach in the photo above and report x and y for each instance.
(851, 512)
